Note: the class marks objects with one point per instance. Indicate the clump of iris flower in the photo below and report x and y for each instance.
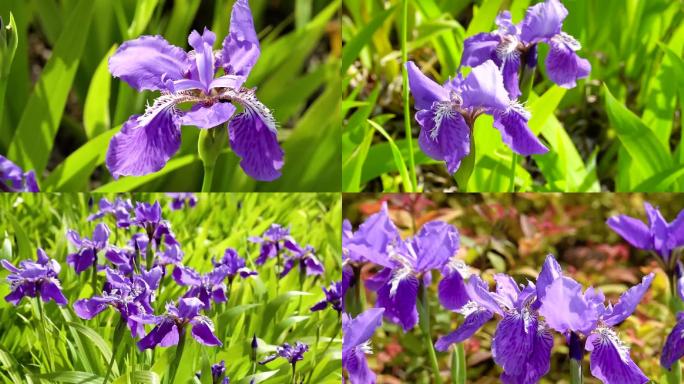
(14, 179)
(181, 200)
(291, 353)
(356, 344)
(171, 326)
(207, 288)
(309, 264)
(34, 278)
(333, 298)
(234, 264)
(147, 142)
(407, 264)
(87, 249)
(514, 47)
(447, 113)
(120, 209)
(275, 240)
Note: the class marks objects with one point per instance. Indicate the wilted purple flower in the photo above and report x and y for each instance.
(291, 353)
(511, 46)
(567, 309)
(234, 264)
(333, 297)
(658, 236)
(131, 297)
(14, 179)
(120, 209)
(446, 113)
(274, 241)
(34, 278)
(180, 200)
(170, 326)
(406, 263)
(207, 288)
(356, 344)
(146, 142)
(308, 262)
(87, 249)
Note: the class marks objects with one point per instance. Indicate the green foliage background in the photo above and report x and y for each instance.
(272, 308)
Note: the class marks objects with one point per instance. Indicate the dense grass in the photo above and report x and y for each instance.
(274, 309)
(62, 106)
(619, 130)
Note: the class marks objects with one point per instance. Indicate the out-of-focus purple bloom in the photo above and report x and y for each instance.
(171, 255)
(123, 259)
(567, 309)
(511, 46)
(658, 235)
(291, 353)
(333, 297)
(207, 288)
(120, 209)
(307, 260)
(356, 344)
(87, 249)
(14, 179)
(276, 239)
(406, 263)
(131, 297)
(146, 142)
(446, 113)
(218, 373)
(34, 278)
(170, 326)
(149, 217)
(180, 200)
(234, 264)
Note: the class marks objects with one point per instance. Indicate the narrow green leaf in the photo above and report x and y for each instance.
(396, 155)
(352, 166)
(353, 48)
(96, 118)
(23, 243)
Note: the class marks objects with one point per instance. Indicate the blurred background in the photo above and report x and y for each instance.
(513, 233)
(62, 104)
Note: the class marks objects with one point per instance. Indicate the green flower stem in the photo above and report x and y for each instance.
(208, 177)
(464, 171)
(43, 335)
(209, 146)
(424, 322)
(407, 112)
(118, 332)
(458, 365)
(179, 354)
(576, 372)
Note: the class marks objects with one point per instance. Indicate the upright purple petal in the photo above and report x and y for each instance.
(373, 238)
(565, 308)
(479, 48)
(478, 291)
(484, 88)
(144, 145)
(257, 146)
(241, 46)
(550, 271)
(563, 65)
(101, 235)
(162, 334)
(610, 361)
(515, 133)
(543, 21)
(204, 56)
(186, 276)
(89, 308)
(360, 329)
(471, 324)
(148, 62)
(424, 90)
(435, 244)
(629, 301)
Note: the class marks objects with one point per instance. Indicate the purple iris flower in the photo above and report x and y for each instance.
(567, 310)
(234, 264)
(658, 235)
(131, 297)
(171, 255)
(33, 278)
(274, 241)
(14, 179)
(308, 262)
(87, 249)
(511, 46)
(149, 217)
(146, 142)
(170, 326)
(446, 113)
(333, 297)
(291, 353)
(673, 349)
(406, 263)
(356, 344)
(207, 288)
(120, 209)
(180, 200)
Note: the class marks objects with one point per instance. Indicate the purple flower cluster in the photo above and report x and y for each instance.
(146, 142)
(14, 179)
(291, 353)
(181, 200)
(34, 279)
(276, 241)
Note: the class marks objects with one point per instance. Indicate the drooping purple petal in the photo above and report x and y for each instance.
(203, 331)
(512, 342)
(543, 21)
(610, 361)
(452, 291)
(515, 133)
(538, 362)
(257, 146)
(147, 62)
(563, 65)
(89, 308)
(673, 349)
(162, 334)
(472, 323)
(144, 145)
(444, 135)
(629, 301)
(399, 301)
(50, 290)
(356, 365)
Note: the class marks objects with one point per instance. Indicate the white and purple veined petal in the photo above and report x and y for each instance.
(538, 361)
(355, 345)
(399, 298)
(513, 341)
(148, 62)
(444, 135)
(563, 65)
(512, 123)
(610, 361)
(203, 54)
